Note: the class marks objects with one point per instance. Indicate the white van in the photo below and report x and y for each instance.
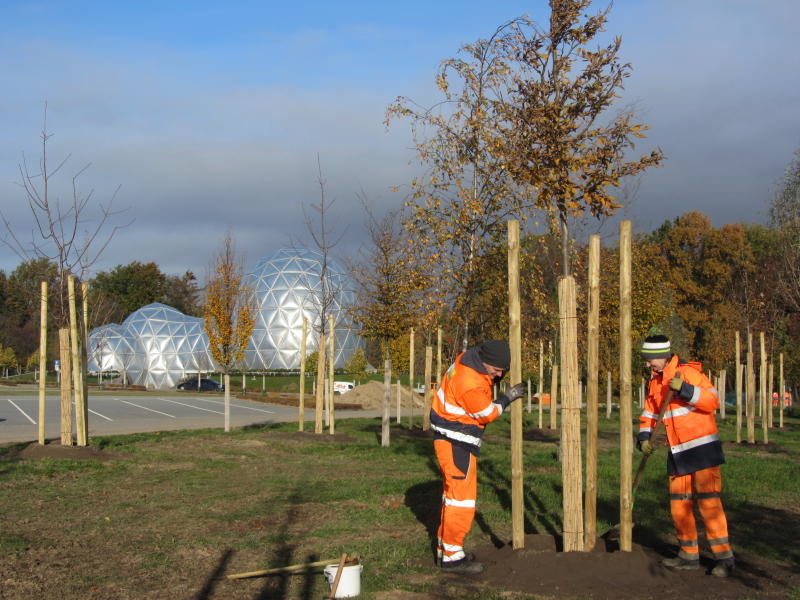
(342, 387)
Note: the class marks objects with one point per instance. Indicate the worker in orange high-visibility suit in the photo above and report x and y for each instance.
(460, 410)
(695, 453)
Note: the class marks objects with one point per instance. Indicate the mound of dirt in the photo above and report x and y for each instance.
(56, 450)
(370, 396)
(539, 568)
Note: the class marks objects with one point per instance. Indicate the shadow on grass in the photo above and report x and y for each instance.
(211, 582)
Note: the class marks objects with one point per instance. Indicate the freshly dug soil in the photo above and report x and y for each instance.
(540, 569)
(56, 450)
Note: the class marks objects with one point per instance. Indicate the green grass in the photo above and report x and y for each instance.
(166, 511)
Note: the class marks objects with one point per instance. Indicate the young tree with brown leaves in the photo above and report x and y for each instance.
(229, 316)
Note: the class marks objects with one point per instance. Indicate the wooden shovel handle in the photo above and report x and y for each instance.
(653, 439)
(336, 579)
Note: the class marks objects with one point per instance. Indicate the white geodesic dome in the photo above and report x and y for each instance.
(287, 288)
(156, 345)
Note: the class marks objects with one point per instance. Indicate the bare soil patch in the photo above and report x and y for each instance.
(540, 569)
(56, 450)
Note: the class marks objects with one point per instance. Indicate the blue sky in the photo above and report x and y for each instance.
(210, 115)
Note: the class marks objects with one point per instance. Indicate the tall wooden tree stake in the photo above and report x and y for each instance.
(540, 387)
(411, 379)
(387, 398)
(765, 404)
(625, 422)
(426, 416)
(301, 399)
(66, 386)
(738, 391)
(515, 374)
(320, 399)
(751, 392)
(81, 424)
(438, 355)
(43, 362)
(553, 395)
(592, 368)
(571, 470)
(331, 369)
(781, 392)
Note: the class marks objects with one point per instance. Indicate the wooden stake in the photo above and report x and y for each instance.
(77, 378)
(66, 386)
(515, 374)
(553, 396)
(331, 369)
(426, 416)
(529, 395)
(608, 396)
(336, 579)
(398, 400)
(751, 392)
(770, 403)
(438, 355)
(411, 380)
(592, 368)
(42, 361)
(763, 381)
(320, 389)
(301, 399)
(571, 468)
(540, 387)
(387, 398)
(738, 391)
(723, 374)
(781, 392)
(282, 570)
(625, 422)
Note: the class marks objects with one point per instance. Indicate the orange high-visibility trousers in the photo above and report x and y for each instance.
(459, 470)
(703, 487)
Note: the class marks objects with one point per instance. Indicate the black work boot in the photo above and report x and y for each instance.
(468, 565)
(681, 563)
(724, 567)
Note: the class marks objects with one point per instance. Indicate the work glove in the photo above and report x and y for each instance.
(682, 390)
(645, 447)
(513, 393)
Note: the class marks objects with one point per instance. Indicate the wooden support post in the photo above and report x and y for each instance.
(320, 387)
(608, 395)
(301, 399)
(781, 392)
(540, 387)
(387, 399)
(738, 391)
(763, 373)
(770, 387)
(438, 355)
(66, 386)
(42, 361)
(77, 376)
(411, 379)
(426, 415)
(529, 395)
(331, 369)
(399, 403)
(592, 372)
(625, 422)
(515, 374)
(553, 396)
(571, 468)
(721, 391)
(751, 392)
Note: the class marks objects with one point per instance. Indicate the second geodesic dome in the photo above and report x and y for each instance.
(287, 287)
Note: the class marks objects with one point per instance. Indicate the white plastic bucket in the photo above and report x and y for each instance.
(349, 583)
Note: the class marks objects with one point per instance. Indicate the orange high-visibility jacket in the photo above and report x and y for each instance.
(689, 419)
(462, 406)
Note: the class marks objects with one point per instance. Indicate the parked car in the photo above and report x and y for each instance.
(206, 385)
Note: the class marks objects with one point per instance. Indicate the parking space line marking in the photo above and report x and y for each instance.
(271, 412)
(99, 415)
(22, 411)
(150, 409)
(216, 412)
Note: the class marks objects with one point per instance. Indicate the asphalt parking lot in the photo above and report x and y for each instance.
(149, 411)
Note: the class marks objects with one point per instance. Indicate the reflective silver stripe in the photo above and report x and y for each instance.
(695, 394)
(499, 408)
(458, 436)
(645, 429)
(451, 547)
(706, 439)
(723, 555)
(648, 415)
(453, 557)
(449, 408)
(459, 503)
(484, 413)
(679, 412)
(687, 543)
(718, 541)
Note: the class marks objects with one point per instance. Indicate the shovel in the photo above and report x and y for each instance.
(614, 532)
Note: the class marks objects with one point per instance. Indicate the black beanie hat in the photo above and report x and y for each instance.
(495, 353)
